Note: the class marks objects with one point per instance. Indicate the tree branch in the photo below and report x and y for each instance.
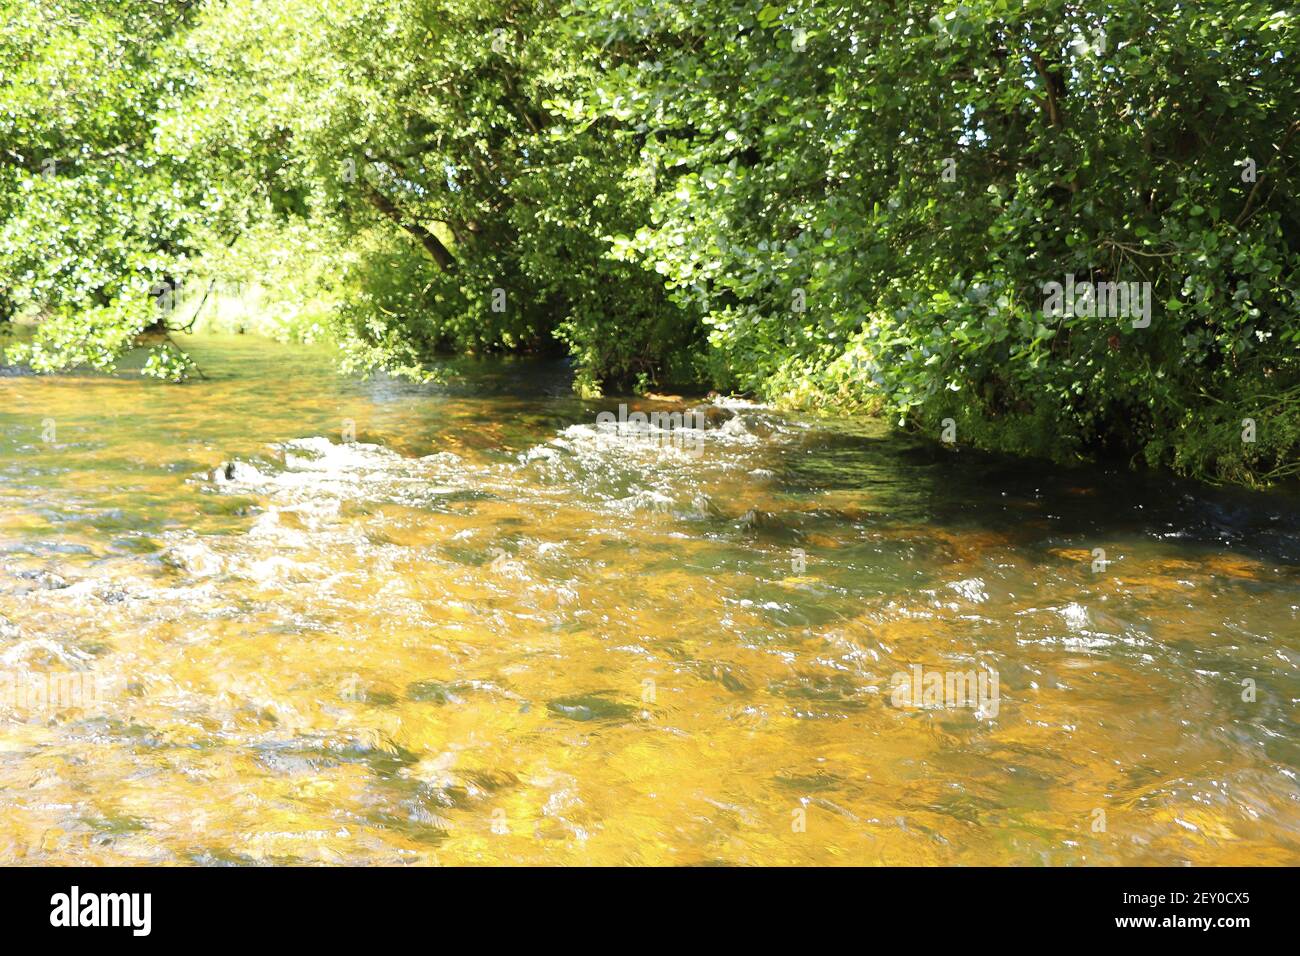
(432, 244)
(1250, 198)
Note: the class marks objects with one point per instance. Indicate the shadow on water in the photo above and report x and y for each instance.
(909, 479)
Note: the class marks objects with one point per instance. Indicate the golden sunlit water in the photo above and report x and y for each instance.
(488, 631)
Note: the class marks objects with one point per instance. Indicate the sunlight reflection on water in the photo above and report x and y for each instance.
(489, 631)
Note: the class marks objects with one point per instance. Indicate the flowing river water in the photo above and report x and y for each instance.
(489, 630)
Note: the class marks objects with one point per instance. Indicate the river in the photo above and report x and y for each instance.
(487, 630)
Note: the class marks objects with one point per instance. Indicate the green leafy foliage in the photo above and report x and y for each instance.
(92, 215)
(837, 205)
(865, 202)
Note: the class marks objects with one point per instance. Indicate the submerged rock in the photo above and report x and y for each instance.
(714, 416)
(234, 472)
(47, 580)
(193, 557)
(589, 707)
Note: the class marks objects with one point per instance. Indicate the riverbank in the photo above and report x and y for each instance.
(1249, 456)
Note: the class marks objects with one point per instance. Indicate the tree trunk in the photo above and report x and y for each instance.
(446, 262)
